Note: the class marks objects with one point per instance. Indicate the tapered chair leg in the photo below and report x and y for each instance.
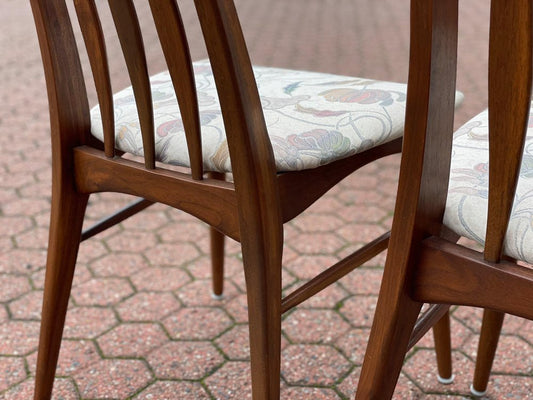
(389, 339)
(217, 261)
(262, 267)
(67, 214)
(443, 349)
(488, 342)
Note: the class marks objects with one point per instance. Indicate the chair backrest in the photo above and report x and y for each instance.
(429, 117)
(240, 103)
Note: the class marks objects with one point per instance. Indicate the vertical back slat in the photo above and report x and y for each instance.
(510, 74)
(130, 36)
(173, 40)
(95, 44)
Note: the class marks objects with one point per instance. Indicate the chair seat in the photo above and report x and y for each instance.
(467, 203)
(312, 118)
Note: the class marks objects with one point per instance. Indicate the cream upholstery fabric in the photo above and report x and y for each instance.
(312, 118)
(467, 203)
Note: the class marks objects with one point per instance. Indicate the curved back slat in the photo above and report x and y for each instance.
(173, 40)
(510, 78)
(130, 36)
(94, 42)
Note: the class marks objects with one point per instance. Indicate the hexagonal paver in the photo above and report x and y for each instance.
(173, 390)
(131, 241)
(20, 261)
(91, 250)
(359, 310)
(305, 393)
(36, 238)
(361, 233)
(64, 389)
(3, 314)
(88, 322)
(199, 293)
(363, 214)
(101, 291)
(112, 379)
(132, 340)
(314, 326)
(183, 232)
(235, 343)
(314, 243)
(317, 222)
(185, 360)
(307, 267)
(74, 355)
(147, 306)
(198, 323)
(118, 264)
(353, 344)
(312, 365)
(13, 225)
(12, 286)
(18, 337)
(330, 297)
(175, 254)
(363, 281)
(146, 221)
(25, 207)
(421, 368)
(238, 308)
(12, 371)
(160, 279)
(28, 306)
(232, 381)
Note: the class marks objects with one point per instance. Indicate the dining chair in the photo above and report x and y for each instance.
(476, 183)
(285, 136)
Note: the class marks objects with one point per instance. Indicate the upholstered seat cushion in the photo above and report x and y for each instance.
(312, 118)
(467, 203)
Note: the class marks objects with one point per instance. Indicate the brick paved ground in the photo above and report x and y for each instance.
(141, 322)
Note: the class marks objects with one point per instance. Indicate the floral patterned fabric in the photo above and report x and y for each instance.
(467, 203)
(312, 118)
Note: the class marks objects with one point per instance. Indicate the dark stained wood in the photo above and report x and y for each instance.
(421, 192)
(251, 210)
(130, 37)
(427, 320)
(510, 54)
(173, 39)
(217, 240)
(96, 49)
(488, 343)
(443, 348)
(211, 200)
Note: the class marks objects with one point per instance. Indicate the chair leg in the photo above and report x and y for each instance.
(68, 210)
(262, 267)
(488, 342)
(443, 349)
(217, 262)
(393, 324)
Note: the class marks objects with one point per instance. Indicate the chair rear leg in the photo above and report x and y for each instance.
(262, 268)
(68, 210)
(443, 349)
(488, 342)
(393, 324)
(217, 261)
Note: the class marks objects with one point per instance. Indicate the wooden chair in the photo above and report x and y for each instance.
(321, 128)
(422, 265)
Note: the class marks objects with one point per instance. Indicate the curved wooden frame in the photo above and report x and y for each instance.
(423, 265)
(251, 210)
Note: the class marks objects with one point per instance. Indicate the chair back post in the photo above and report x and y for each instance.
(250, 149)
(67, 96)
(424, 171)
(510, 79)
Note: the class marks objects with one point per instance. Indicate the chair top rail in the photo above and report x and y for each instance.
(171, 32)
(93, 37)
(510, 78)
(130, 37)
